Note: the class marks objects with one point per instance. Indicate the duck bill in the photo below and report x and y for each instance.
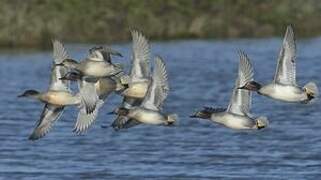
(251, 86)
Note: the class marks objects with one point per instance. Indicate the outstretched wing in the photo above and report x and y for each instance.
(240, 102)
(140, 58)
(285, 71)
(89, 106)
(158, 89)
(84, 120)
(51, 113)
(59, 54)
(88, 93)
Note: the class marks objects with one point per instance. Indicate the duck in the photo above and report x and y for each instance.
(86, 100)
(284, 87)
(137, 82)
(150, 110)
(97, 64)
(51, 112)
(237, 115)
(59, 95)
(140, 71)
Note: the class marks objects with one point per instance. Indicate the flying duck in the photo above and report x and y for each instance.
(150, 110)
(284, 86)
(237, 115)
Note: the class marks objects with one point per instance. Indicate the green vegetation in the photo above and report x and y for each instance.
(32, 23)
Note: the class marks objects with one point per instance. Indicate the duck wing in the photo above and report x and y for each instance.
(240, 102)
(51, 113)
(285, 70)
(89, 106)
(140, 57)
(158, 89)
(59, 54)
(122, 122)
(84, 120)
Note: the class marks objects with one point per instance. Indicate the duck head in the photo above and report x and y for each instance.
(71, 63)
(96, 54)
(100, 53)
(261, 122)
(105, 51)
(311, 91)
(29, 93)
(251, 86)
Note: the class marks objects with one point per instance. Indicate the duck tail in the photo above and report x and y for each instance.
(262, 122)
(172, 118)
(311, 89)
(206, 112)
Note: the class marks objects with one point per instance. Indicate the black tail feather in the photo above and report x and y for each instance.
(207, 112)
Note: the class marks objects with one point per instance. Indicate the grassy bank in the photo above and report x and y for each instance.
(32, 23)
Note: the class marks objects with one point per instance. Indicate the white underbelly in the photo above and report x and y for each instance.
(286, 93)
(99, 69)
(96, 71)
(234, 122)
(148, 117)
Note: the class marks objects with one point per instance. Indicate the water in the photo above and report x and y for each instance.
(200, 73)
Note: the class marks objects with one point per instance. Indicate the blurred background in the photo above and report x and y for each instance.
(33, 23)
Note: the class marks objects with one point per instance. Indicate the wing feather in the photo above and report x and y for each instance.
(90, 104)
(240, 102)
(286, 70)
(59, 54)
(49, 115)
(158, 89)
(85, 120)
(140, 57)
(88, 93)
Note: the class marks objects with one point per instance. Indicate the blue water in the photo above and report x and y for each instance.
(200, 73)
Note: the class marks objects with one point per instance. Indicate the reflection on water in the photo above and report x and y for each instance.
(200, 73)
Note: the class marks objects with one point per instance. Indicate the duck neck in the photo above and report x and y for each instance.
(36, 96)
(72, 64)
